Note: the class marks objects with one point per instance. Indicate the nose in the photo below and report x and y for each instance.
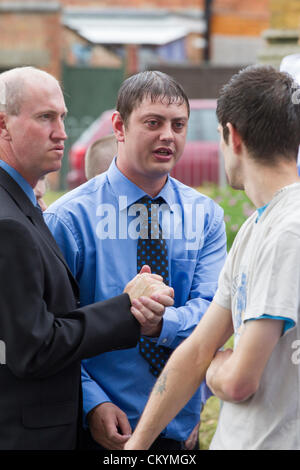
(167, 132)
(59, 132)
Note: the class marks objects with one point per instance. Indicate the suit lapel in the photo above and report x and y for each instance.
(28, 209)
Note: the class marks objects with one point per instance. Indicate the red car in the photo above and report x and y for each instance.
(198, 164)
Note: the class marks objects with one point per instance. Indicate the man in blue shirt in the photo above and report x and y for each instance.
(97, 227)
(44, 332)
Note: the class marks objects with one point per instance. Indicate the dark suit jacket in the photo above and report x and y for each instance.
(45, 331)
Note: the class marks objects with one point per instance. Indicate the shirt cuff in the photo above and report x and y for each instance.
(93, 395)
(170, 328)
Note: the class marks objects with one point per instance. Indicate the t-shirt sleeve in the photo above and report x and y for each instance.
(222, 296)
(274, 291)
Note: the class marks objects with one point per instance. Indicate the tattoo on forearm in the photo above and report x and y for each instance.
(160, 385)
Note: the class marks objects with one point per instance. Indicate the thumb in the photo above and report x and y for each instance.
(124, 425)
(145, 269)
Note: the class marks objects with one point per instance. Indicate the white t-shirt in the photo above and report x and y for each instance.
(261, 276)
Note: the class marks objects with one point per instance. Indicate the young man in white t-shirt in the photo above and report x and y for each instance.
(258, 298)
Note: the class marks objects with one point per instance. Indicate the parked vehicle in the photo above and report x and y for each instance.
(198, 164)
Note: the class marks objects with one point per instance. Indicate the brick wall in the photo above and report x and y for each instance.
(285, 14)
(240, 17)
(30, 39)
(135, 3)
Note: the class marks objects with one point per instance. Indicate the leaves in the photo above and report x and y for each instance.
(236, 205)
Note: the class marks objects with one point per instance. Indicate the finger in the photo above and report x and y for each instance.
(150, 304)
(150, 276)
(111, 435)
(145, 269)
(189, 444)
(164, 300)
(149, 316)
(161, 288)
(192, 439)
(118, 442)
(138, 316)
(124, 425)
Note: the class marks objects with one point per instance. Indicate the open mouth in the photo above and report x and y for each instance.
(163, 153)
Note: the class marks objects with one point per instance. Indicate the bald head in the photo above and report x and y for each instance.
(32, 129)
(14, 84)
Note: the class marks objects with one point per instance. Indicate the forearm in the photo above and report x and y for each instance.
(182, 375)
(235, 376)
(229, 385)
(220, 377)
(175, 386)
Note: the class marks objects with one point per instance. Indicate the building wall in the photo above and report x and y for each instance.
(36, 37)
(285, 14)
(135, 3)
(30, 38)
(236, 30)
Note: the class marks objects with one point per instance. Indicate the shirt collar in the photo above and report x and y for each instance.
(19, 180)
(128, 193)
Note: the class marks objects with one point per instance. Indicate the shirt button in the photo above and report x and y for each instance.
(164, 340)
(77, 303)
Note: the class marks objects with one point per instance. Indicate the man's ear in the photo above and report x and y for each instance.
(235, 138)
(118, 126)
(4, 133)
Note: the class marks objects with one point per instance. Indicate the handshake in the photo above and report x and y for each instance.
(149, 296)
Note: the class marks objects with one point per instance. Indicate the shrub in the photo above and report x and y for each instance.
(236, 205)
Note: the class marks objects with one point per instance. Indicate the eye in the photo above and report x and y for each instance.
(152, 122)
(178, 126)
(45, 117)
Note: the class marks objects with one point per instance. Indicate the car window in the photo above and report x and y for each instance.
(203, 125)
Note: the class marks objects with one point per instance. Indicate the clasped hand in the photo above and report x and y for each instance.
(149, 297)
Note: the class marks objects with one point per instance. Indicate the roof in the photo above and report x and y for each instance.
(128, 26)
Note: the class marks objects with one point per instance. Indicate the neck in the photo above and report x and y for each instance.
(262, 182)
(152, 185)
(8, 158)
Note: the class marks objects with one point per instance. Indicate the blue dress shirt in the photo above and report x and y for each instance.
(20, 180)
(95, 226)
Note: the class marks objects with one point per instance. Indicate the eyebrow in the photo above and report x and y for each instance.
(160, 116)
(51, 111)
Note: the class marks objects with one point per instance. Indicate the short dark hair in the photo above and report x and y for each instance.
(259, 102)
(153, 84)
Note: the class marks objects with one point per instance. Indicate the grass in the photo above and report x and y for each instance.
(51, 196)
(209, 419)
(210, 415)
(237, 208)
